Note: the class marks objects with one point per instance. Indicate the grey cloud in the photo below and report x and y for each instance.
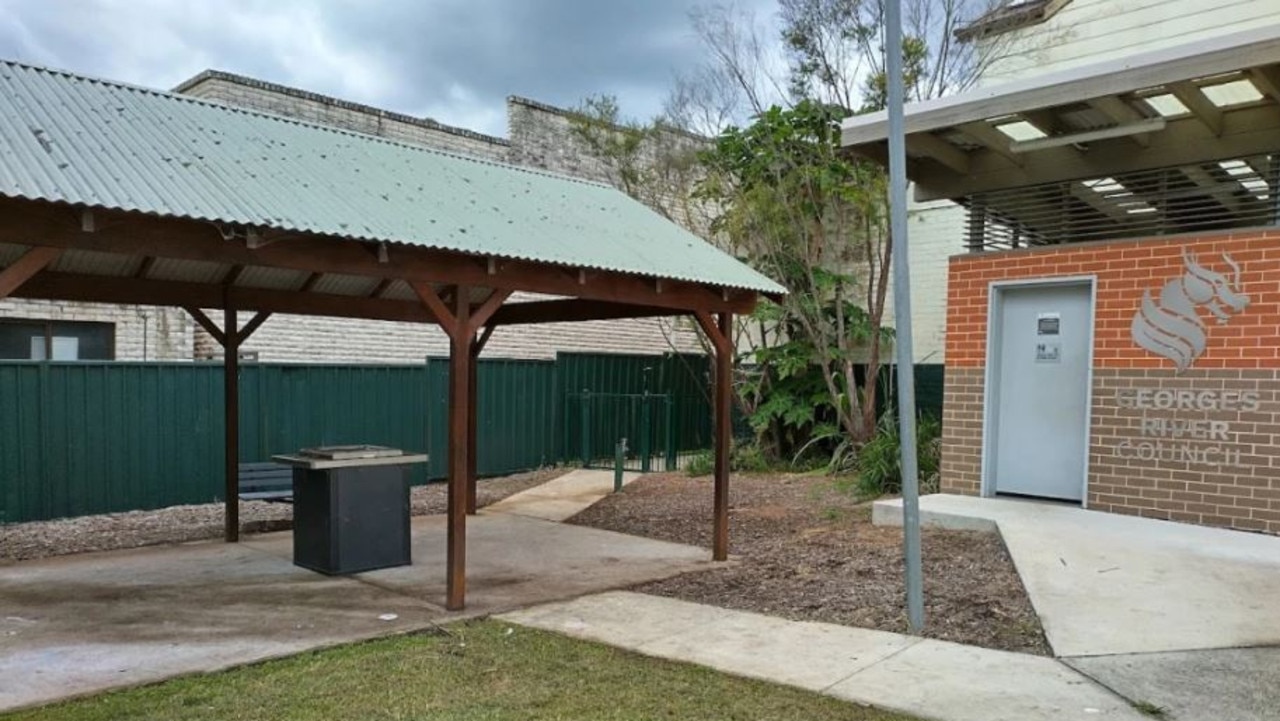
(453, 59)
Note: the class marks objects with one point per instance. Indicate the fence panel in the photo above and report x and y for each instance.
(515, 416)
(84, 438)
(287, 407)
(599, 421)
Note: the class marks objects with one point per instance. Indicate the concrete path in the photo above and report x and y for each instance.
(1106, 584)
(1236, 684)
(931, 679)
(81, 624)
(561, 498)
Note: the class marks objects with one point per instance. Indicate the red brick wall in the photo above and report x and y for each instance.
(1241, 355)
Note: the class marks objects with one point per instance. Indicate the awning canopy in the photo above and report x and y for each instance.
(1198, 103)
(116, 194)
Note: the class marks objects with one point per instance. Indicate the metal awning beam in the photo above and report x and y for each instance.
(1185, 141)
(1225, 54)
(1051, 103)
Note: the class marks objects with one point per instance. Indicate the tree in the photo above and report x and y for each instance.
(836, 49)
(774, 188)
(802, 211)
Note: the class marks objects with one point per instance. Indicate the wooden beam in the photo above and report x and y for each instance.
(25, 267)
(719, 331)
(1120, 112)
(381, 288)
(254, 323)
(231, 426)
(940, 150)
(128, 291)
(233, 275)
(483, 340)
(428, 296)
(1200, 106)
(482, 313)
(138, 234)
(209, 326)
(460, 364)
(564, 311)
(993, 140)
(310, 282)
(473, 425)
(144, 269)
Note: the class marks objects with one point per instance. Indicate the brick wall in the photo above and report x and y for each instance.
(141, 332)
(315, 108)
(318, 339)
(1202, 445)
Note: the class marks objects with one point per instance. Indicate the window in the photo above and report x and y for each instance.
(56, 340)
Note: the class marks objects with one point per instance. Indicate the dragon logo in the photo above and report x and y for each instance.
(1171, 327)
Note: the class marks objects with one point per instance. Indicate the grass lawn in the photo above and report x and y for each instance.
(483, 670)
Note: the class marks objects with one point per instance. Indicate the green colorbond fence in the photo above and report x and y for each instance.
(85, 438)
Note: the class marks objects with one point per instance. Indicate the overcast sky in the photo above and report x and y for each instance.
(452, 60)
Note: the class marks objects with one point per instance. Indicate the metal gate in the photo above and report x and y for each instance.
(643, 423)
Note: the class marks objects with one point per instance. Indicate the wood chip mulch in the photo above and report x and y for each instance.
(180, 524)
(808, 551)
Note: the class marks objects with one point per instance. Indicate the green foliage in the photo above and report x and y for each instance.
(702, 464)
(749, 458)
(810, 216)
(879, 462)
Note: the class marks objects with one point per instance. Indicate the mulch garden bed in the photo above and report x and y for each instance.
(179, 524)
(807, 551)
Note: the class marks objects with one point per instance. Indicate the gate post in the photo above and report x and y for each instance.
(586, 428)
(646, 434)
(669, 441)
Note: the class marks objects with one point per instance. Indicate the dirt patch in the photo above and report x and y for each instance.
(808, 552)
(179, 524)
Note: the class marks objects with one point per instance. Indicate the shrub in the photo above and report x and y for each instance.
(879, 461)
(749, 458)
(702, 464)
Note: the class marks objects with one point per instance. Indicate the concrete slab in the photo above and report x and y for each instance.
(1106, 584)
(1240, 684)
(927, 678)
(514, 561)
(561, 498)
(81, 624)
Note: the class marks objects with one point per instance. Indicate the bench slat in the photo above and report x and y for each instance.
(266, 482)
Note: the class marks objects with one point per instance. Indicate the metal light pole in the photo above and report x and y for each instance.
(902, 317)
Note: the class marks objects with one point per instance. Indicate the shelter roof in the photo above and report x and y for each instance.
(98, 144)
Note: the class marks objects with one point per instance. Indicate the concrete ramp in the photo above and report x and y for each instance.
(1105, 583)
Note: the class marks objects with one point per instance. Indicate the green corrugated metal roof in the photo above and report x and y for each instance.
(71, 139)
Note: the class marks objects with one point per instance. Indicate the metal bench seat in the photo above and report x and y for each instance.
(266, 482)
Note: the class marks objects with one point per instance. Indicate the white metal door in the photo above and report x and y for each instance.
(1040, 376)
